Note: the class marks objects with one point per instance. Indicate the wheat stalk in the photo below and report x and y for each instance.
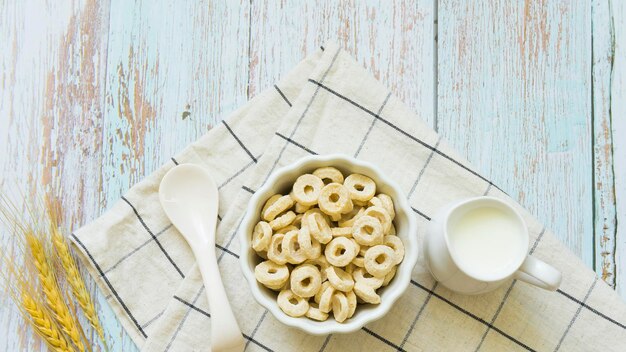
(77, 284)
(43, 324)
(52, 293)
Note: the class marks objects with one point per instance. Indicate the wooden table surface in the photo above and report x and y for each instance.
(97, 94)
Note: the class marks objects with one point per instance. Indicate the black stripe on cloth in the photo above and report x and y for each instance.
(239, 141)
(508, 292)
(182, 321)
(239, 172)
(569, 326)
(227, 251)
(174, 161)
(410, 136)
(369, 130)
(149, 322)
(296, 144)
(191, 306)
(153, 237)
(137, 249)
(282, 95)
(419, 314)
(419, 177)
(421, 214)
(206, 314)
(106, 280)
(387, 342)
(322, 47)
(256, 328)
(325, 343)
(591, 309)
(248, 189)
(477, 318)
(306, 110)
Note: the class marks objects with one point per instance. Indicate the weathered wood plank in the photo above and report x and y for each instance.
(52, 74)
(173, 69)
(603, 185)
(618, 113)
(393, 40)
(514, 97)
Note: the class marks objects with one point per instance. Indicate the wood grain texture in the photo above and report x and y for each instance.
(392, 39)
(97, 94)
(53, 74)
(514, 97)
(605, 217)
(618, 118)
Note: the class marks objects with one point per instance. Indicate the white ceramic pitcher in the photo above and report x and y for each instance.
(448, 264)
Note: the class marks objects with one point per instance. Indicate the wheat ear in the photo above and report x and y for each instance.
(44, 325)
(77, 284)
(52, 293)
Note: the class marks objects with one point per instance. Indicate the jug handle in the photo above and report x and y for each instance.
(539, 273)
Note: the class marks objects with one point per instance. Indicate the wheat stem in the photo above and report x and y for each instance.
(52, 293)
(77, 284)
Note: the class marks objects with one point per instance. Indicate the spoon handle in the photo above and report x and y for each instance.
(225, 333)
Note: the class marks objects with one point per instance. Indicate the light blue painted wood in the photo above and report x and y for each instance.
(514, 97)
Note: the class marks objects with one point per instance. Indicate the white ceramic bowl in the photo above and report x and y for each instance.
(280, 182)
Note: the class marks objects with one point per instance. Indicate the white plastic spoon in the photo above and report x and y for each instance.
(189, 197)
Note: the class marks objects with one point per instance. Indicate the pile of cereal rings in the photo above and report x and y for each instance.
(328, 245)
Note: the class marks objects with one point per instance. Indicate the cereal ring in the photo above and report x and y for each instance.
(334, 199)
(297, 222)
(307, 189)
(335, 217)
(387, 204)
(395, 243)
(359, 261)
(367, 231)
(271, 274)
(381, 214)
(301, 208)
(318, 226)
(390, 276)
(318, 295)
(320, 263)
(283, 220)
(270, 201)
(361, 187)
(291, 248)
(279, 288)
(341, 231)
(280, 205)
(360, 274)
(347, 220)
(305, 281)
(360, 203)
(357, 246)
(261, 236)
(325, 301)
(329, 175)
(284, 230)
(379, 260)
(291, 304)
(315, 313)
(341, 308)
(350, 268)
(276, 252)
(392, 230)
(340, 251)
(311, 247)
(339, 279)
(366, 292)
(351, 303)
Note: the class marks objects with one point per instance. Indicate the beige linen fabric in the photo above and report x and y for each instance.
(329, 104)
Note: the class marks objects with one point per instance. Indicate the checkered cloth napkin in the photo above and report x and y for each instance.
(329, 104)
